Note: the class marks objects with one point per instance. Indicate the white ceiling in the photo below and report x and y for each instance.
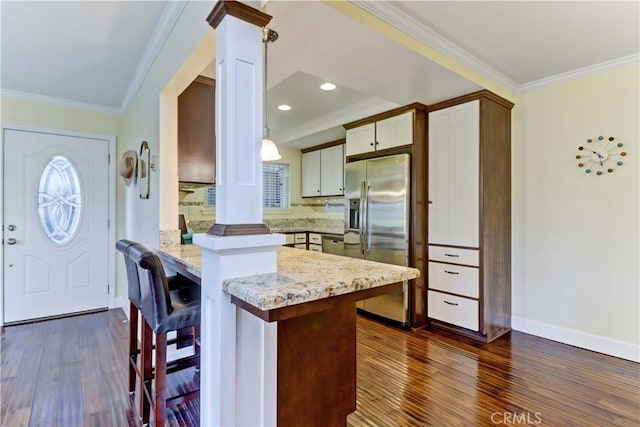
(96, 54)
(79, 51)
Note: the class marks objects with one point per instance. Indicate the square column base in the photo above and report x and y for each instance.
(239, 350)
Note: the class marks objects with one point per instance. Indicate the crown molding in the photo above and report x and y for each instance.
(163, 28)
(581, 73)
(60, 102)
(389, 13)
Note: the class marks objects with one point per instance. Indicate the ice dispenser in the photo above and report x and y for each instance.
(354, 214)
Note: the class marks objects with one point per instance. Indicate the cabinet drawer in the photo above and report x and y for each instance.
(454, 278)
(315, 238)
(315, 248)
(301, 246)
(455, 310)
(301, 237)
(289, 239)
(454, 255)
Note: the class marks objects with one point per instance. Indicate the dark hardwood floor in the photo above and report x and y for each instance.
(72, 372)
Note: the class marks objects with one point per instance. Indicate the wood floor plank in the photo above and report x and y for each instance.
(404, 379)
(17, 396)
(70, 395)
(44, 409)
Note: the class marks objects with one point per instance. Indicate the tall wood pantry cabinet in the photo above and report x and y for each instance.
(469, 215)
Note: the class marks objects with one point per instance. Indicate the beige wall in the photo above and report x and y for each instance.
(576, 236)
(28, 113)
(166, 79)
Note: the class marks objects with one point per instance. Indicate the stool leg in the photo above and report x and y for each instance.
(146, 371)
(196, 346)
(160, 399)
(133, 346)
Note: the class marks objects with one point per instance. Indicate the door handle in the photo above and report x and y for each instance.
(11, 227)
(11, 241)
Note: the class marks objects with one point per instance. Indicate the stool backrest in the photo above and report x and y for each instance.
(133, 282)
(154, 288)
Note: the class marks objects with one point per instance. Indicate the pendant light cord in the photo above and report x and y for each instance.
(268, 35)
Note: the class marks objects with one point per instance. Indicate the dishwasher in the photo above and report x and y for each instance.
(333, 244)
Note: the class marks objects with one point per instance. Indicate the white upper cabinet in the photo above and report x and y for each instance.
(323, 172)
(332, 171)
(361, 139)
(311, 174)
(395, 131)
(454, 175)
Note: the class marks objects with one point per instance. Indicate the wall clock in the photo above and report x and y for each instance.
(601, 155)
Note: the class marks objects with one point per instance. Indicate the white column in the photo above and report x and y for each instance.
(238, 353)
(238, 122)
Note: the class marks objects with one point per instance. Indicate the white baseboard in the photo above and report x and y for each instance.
(612, 347)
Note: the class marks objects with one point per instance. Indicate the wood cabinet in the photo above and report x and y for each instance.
(391, 132)
(469, 215)
(323, 170)
(196, 132)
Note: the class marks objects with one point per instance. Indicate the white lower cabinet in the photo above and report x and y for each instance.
(456, 279)
(315, 238)
(454, 255)
(454, 310)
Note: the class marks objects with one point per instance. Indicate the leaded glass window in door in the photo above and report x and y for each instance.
(60, 200)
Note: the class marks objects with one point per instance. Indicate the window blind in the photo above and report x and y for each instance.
(275, 186)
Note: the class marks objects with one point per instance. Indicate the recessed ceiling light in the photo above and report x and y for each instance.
(284, 107)
(327, 86)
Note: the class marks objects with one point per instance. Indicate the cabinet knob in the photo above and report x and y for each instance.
(371, 144)
(377, 143)
(430, 202)
(317, 191)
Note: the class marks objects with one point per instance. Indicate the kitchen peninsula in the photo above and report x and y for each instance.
(311, 298)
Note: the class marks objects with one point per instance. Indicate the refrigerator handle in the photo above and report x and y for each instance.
(367, 230)
(363, 215)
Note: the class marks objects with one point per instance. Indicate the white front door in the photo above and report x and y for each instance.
(56, 211)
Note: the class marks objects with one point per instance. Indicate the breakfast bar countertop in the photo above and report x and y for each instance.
(302, 276)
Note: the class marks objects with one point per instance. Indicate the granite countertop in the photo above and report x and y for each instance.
(186, 257)
(302, 276)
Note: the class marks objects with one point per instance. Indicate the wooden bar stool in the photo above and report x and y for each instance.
(163, 311)
(133, 286)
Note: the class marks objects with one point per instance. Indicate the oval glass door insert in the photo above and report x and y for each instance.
(60, 200)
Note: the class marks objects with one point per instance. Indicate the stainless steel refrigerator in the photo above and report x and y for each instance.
(377, 224)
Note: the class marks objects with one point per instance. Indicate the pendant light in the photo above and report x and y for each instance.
(269, 149)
